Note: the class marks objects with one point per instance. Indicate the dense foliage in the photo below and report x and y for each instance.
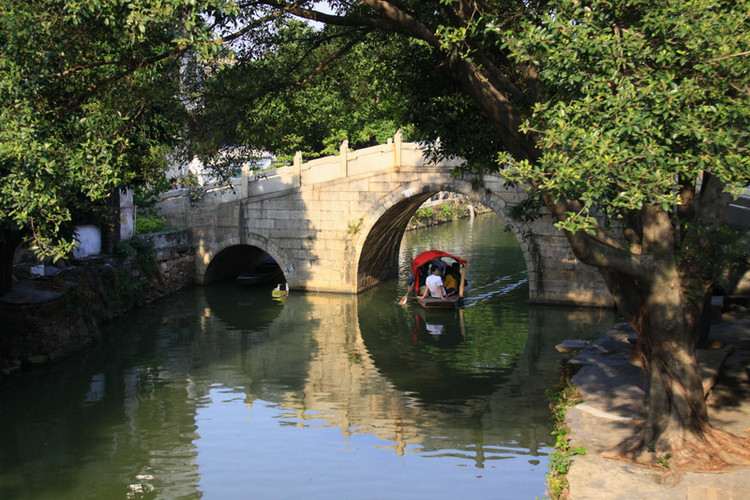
(642, 101)
(301, 90)
(89, 102)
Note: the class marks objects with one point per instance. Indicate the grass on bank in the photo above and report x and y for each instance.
(561, 397)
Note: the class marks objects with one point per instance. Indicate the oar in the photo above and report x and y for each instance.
(402, 302)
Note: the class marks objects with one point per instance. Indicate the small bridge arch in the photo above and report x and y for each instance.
(232, 255)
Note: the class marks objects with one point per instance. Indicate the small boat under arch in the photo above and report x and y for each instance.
(420, 267)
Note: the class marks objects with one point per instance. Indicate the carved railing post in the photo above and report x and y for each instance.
(344, 154)
(245, 189)
(298, 169)
(398, 141)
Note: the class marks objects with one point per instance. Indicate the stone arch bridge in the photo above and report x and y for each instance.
(335, 224)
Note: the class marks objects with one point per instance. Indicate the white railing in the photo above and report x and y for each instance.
(390, 156)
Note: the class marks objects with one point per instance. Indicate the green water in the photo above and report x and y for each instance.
(222, 392)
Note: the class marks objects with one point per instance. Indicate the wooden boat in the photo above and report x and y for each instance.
(436, 303)
(437, 257)
(267, 271)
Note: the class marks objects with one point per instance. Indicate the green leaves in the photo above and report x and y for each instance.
(642, 98)
(89, 91)
(311, 92)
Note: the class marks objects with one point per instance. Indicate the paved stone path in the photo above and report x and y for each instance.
(612, 387)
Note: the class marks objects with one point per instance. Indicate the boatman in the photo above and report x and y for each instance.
(434, 285)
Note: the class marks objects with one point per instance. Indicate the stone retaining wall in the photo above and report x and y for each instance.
(47, 318)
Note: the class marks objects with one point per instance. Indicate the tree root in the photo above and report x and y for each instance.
(716, 451)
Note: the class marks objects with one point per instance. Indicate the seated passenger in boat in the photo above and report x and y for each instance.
(422, 273)
(435, 287)
(452, 277)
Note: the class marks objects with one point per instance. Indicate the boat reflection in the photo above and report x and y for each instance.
(438, 326)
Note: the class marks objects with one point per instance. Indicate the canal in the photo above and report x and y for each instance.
(221, 392)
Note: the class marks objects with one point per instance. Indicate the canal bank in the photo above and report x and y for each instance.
(611, 384)
(62, 308)
(445, 207)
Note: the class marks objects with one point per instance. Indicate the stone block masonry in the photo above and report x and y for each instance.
(335, 224)
(46, 319)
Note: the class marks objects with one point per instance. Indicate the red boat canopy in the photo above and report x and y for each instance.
(427, 256)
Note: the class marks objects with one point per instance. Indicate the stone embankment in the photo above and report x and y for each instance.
(445, 210)
(613, 387)
(51, 316)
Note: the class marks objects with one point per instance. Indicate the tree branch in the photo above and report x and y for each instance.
(328, 60)
(248, 28)
(600, 249)
(346, 21)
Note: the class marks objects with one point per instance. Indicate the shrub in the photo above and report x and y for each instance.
(447, 211)
(145, 224)
(562, 397)
(424, 213)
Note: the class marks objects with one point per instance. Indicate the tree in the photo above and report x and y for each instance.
(89, 100)
(302, 91)
(646, 128)
(630, 120)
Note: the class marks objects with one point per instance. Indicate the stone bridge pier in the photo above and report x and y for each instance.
(335, 224)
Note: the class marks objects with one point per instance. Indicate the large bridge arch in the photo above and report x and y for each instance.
(378, 252)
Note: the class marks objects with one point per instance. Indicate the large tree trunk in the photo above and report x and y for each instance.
(665, 306)
(9, 241)
(668, 329)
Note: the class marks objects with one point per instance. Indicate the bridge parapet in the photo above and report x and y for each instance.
(389, 156)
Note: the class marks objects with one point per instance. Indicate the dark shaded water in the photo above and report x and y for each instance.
(221, 392)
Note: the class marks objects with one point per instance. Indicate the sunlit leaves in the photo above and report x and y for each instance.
(89, 92)
(641, 98)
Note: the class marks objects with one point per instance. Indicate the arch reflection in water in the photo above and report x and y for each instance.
(218, 394)
(242, 307)
(347, 378)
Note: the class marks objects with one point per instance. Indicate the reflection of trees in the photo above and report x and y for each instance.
(431, 368)
(333, 360)
(112, 408)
